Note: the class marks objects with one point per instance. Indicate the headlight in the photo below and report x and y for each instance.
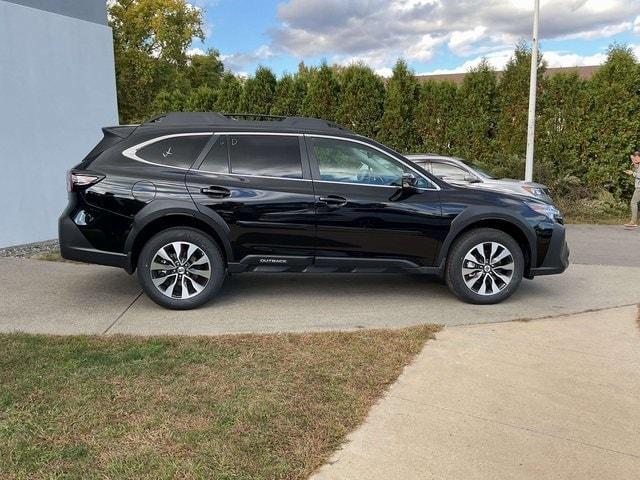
(549, 211)
(535, 191)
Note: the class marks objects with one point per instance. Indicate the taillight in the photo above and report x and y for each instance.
(77, 180)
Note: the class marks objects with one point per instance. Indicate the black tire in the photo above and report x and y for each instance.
(188, 281)
(494, 288)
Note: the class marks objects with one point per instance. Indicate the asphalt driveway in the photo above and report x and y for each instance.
(62, 298)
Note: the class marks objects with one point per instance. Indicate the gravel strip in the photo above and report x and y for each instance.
(30, 249)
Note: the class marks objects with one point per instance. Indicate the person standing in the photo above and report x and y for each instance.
(635, 199)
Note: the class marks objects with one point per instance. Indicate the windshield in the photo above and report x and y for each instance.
(480, 172)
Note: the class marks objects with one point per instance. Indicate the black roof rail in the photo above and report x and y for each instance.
(241, 119)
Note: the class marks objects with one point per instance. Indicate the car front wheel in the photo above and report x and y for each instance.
(485, 266)
(181, 268)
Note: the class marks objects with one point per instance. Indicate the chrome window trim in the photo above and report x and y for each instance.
(252, 176)
(363, 184)
(333, 137)
(132, 152)
(281, 134)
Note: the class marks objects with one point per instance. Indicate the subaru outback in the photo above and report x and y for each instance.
(186, 199)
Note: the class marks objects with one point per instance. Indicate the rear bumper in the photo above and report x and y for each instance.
(557, 258)
(75, 246)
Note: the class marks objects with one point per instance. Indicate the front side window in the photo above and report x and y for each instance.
(180, 151)
(348, 162)
(449, 172)
(265, 155)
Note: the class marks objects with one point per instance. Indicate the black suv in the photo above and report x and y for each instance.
(186, 198)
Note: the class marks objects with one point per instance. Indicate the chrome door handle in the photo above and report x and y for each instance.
(333, 201)
(216, 192)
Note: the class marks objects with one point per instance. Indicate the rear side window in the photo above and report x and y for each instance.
(265, 155)
(174, 151)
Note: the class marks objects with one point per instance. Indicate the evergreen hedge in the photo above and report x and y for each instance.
(586, 129)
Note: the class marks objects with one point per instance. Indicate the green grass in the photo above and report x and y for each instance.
(232, 407)
(51, 256)
(592, 212)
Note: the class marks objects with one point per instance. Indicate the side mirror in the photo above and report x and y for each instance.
(409, 181)
(471, 179)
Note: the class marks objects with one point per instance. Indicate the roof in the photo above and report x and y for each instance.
(583, 72)
(432, 156)
(243, 120)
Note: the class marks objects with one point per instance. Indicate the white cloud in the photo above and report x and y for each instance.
(460, 41)
(498, 60)
(385, 72)
(565, 59)
(424, 49)
(636, 25)
(236, 61)
(417, 29)
(602, 32)
(195, 51)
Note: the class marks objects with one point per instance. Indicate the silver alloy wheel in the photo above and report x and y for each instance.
(180, 270)
(488, 268)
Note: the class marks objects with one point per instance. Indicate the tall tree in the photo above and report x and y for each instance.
(361, 100)
(169, 101)
(562, 146)
(321, 100)
(435, 116)
(614, 120)
(398, 129)
(259, 92)
(228, 94)
(289, 96)
(151, 38)
(201, 99)
(476, 115)
(513, 104)
(205, 70)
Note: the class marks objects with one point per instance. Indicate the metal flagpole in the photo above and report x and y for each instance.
(533, 85)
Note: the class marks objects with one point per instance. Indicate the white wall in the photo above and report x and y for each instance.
(57, 89)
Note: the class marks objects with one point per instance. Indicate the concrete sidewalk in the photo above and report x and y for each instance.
(547, 399)
(64, 298)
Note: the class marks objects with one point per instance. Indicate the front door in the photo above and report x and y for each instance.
(362, 211)
(261, 187)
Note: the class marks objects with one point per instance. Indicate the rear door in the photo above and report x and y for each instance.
(363, 216)
(260, 184)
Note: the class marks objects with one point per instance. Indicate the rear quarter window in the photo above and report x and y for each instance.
(178, 152)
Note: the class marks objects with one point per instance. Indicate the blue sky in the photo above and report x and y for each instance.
(434, 36)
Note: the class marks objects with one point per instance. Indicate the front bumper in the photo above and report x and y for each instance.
(556, 259)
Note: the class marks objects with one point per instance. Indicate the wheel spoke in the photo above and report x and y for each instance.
(163, 254)
(483, 285)
(160, 280)
(190, 251)
(155, 266)
(196, 286)
(504, 254)
(201, 261)
(177, 248)
(494, 249)
(200, 273)
(504, 278)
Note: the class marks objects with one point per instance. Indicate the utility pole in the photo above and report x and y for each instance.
(533, 86)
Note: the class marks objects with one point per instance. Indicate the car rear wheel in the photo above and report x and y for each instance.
(181, 268)
(485, 266)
